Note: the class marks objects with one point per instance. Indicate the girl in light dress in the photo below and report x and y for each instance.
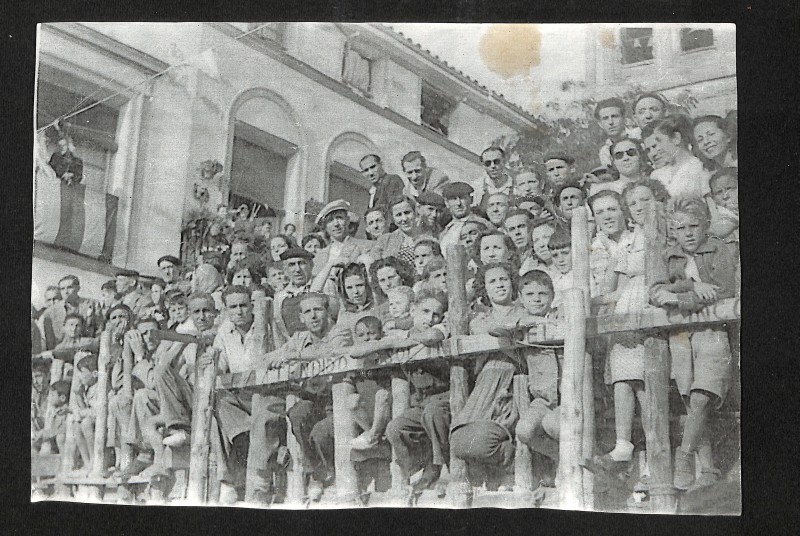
(629, 295)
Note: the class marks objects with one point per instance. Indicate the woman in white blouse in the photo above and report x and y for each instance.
(667, 145)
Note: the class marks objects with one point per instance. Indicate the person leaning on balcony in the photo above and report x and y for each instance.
(68, 167)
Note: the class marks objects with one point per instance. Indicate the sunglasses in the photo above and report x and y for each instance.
(630, 152)
(496, 162)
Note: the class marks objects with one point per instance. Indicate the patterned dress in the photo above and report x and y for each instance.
(627, 349)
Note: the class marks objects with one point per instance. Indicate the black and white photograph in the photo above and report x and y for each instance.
(298, 265)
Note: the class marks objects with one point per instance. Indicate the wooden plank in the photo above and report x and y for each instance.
(570, 473)
(470, 346)
(126, 449)
(101, 413)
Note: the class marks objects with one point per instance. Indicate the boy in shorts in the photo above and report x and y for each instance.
(698, 271)
(49, 439)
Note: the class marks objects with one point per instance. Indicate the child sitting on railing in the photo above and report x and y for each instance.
(539, 422)
(420, 436)
(698, 271)
(371, 405)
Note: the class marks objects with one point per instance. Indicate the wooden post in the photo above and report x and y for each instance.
(570, 473)
(70, 445)
(202, 412)
(523, 461)
(581, 273)
(401, 393)
(101, 414)
(126, 450)
(460, 491)
(656, 385)
(295, 485)
(344, 431)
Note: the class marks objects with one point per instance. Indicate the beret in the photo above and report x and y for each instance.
(126, 272)
(169, 258)
(456, 189)
(430, 198)
(293, 253)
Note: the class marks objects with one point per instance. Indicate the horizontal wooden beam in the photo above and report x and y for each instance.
(549, 332)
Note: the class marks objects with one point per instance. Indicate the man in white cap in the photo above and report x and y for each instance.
(334, 219)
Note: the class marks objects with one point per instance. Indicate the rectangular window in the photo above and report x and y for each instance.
(357, 72)
(696, 38)
(637, 45)
(258, 167)
(435, 110)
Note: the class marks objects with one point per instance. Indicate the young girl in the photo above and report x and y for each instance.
(667, 144)
(399, 316)
(629, 293)
(482, 432)
(388, 273)
(697, 272)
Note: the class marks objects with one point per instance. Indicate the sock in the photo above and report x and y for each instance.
(623, 451)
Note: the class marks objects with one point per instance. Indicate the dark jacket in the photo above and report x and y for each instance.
(716, 264)
(388, 186)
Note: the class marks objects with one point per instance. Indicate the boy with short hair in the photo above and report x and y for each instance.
(610, 115)
(538, 428)
(698, 271)
(399, 300)
(724, 205)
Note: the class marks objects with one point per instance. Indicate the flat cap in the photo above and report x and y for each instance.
(126, 272)
(456, 189)
(333, 206)
(169, 258)
(430, 198)
(294, 253)
(560, 156)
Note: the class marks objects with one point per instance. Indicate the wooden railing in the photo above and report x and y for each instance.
(572, 329)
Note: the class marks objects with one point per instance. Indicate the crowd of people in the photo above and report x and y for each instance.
(263, 299)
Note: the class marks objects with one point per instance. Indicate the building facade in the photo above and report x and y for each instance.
(286, 109)
(665, 58)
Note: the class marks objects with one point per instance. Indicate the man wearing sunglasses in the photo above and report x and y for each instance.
(383, 186)
(610, 115)
(494, 179)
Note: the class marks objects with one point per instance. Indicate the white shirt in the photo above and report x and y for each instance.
(237, 352)
(687, 179)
